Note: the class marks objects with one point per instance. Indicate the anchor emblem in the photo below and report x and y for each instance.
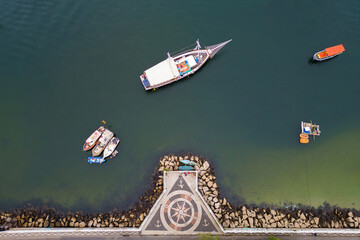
(158, 224)
(205, 223)
(181, 185)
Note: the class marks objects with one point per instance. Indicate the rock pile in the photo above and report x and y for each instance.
(228, 215)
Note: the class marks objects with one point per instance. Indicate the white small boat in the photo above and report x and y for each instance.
(91, 141)
(310, 128)
(179, 66)
(111, 147)
(103, 141)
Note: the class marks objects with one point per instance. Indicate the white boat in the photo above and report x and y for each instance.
(91, 141)
(103, 141)
(310, 128)
(111, 147)
(179, 66)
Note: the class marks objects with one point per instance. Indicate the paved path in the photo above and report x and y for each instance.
(128, 237)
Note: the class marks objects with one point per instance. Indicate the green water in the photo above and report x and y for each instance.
(67, 65)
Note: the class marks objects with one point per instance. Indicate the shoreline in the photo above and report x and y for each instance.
(228, 215)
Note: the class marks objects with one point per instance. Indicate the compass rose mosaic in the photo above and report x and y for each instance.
(180, 209)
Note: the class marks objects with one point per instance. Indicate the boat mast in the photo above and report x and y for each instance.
(198, 47)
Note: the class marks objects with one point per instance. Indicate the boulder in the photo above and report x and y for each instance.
(90, 223)
(46, 224)
(350, 220)
(210, 183)
(217, 205)
(205, 189)
(251, 222)
(82, 225)
(205, 166)
(316, 220)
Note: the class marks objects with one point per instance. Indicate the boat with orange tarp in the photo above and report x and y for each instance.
(329, 53)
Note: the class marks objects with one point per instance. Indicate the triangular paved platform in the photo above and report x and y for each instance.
(180, 209)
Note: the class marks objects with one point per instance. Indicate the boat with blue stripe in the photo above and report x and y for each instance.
(97, 160)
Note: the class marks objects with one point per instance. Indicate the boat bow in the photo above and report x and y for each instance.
(213, 49)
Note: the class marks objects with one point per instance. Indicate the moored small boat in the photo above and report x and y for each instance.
(102, 142)
(186, 168)
(328, 53)
(91, 141)
(310, 129)
(188, 162)
(179, 66)
(111, 147)
(98, 160)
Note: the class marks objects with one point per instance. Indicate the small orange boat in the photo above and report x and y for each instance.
(329, 53)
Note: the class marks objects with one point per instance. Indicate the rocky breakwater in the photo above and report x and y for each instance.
(228, 215)
(243, 216)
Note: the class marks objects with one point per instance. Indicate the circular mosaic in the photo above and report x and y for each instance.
(180, 212)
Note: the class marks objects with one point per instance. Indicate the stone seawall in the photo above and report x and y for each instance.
(228, 215)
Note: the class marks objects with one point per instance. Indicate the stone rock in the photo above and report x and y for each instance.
(226, 223)
(205, 189)
(316, 220)
(205, 166)
(302, 216)
(217, 205)
(350, 214)
(90, 223)
(350, 220)
(46, 224)
(215, 200)
(82, 225)
(224, 202)
(71, 224)
(251, 222)
(210, 183)
(141, 217)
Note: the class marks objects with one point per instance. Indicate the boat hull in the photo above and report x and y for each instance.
(198, 57)
(316, 56)
(91, 141)
(186, 168)
(188, 162)
(202, 53)
(111, 147)
(101, 144)
(97, 160)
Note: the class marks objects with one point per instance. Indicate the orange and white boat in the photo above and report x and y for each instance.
(328, 53)
(91, 141)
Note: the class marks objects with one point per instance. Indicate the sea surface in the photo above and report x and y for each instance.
(67, 65)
